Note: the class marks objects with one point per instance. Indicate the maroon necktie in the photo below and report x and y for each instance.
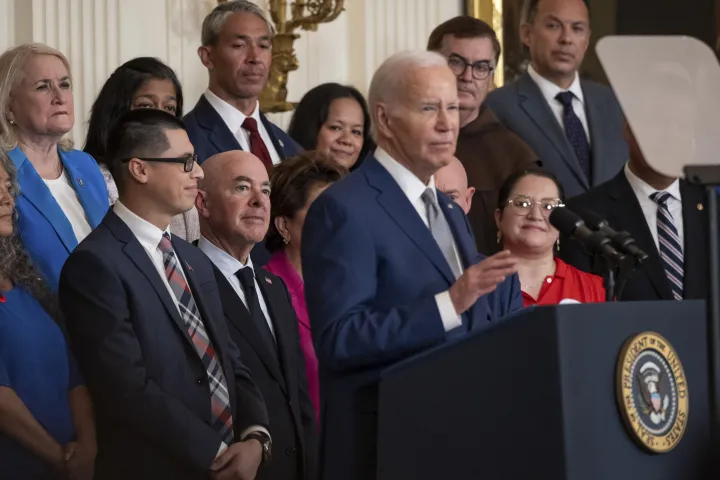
(257, 146)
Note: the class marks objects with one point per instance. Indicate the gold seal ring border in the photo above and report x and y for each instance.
(652, 443)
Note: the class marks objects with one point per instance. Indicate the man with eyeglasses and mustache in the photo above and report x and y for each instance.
(487, 149)
(575, 126)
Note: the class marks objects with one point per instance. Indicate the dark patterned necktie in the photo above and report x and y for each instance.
(257, 146)
(221, 413)
(575, 132)
(671, 250)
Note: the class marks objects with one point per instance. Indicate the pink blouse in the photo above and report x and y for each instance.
(280, 266)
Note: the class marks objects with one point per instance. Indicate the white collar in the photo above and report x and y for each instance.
(643, 190)
(147, 234)
(409, 183)
(549, 90)
(227, 264)
(233, 117)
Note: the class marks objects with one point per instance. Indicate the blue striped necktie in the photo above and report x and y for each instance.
(671, 250)
(575, 132)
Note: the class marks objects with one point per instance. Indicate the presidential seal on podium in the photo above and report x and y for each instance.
(652, 392)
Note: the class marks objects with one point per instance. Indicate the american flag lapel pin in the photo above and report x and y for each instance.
(80, 182)
(268, 280)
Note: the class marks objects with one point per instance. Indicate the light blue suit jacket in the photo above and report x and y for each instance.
(43, 226)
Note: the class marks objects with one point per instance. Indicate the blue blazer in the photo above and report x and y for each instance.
(210, 135)
(43, 227)
(372, 270)
(149, 386)
(521, 107)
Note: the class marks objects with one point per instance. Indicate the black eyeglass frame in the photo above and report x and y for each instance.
(481, 76)
(188, 161)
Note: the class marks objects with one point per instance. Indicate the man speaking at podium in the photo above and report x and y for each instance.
(390, 263)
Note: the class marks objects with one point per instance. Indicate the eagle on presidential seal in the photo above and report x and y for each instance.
(653, 397)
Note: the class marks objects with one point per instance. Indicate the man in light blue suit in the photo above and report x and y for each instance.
(575, 126)
(389, 262)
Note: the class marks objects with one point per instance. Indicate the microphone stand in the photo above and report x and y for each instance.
(709, 177)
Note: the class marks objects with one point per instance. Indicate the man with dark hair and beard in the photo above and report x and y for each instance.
(46, 421)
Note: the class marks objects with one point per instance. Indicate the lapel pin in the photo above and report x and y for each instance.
(700, 207)
(450, 205)
(281, 143)
(189, 267)
(80, 182)
(268, 280)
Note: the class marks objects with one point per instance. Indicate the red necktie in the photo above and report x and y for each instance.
(257, 146)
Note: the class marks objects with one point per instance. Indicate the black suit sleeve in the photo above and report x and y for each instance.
(250, 409)
(92, 299)
(307, 411)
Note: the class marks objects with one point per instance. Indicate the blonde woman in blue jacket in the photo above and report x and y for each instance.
(63, 195)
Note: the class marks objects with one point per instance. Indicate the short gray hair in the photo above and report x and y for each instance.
(215, 21)
(389, 79)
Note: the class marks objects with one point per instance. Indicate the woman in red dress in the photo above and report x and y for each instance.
(525, 202)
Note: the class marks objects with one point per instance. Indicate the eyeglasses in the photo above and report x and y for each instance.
(523, 205)
(459, 65)
(188, 161)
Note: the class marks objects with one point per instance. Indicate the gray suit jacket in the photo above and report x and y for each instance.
(523, 109)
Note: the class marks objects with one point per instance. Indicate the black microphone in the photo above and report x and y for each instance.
(622, 240)
(570, 224)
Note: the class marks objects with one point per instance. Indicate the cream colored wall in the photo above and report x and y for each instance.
(99, 35)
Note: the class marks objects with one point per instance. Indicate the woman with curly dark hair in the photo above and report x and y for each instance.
(46, 422)
(296, 183)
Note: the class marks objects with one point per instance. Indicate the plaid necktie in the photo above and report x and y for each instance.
(441, 230)
(575, 132)
(219, 397)
(671, 250)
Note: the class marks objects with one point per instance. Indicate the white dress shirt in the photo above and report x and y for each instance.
(413, 188)
(229, 265)
(66, 196)
(149, 237)
(549, 91)
(650, 208)
(234, 119)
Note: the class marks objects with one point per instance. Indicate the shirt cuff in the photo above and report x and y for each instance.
(251, 429)
(222, 449)
(450, 319)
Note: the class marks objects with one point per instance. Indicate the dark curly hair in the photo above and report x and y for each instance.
(15, 263)
(291, 181)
